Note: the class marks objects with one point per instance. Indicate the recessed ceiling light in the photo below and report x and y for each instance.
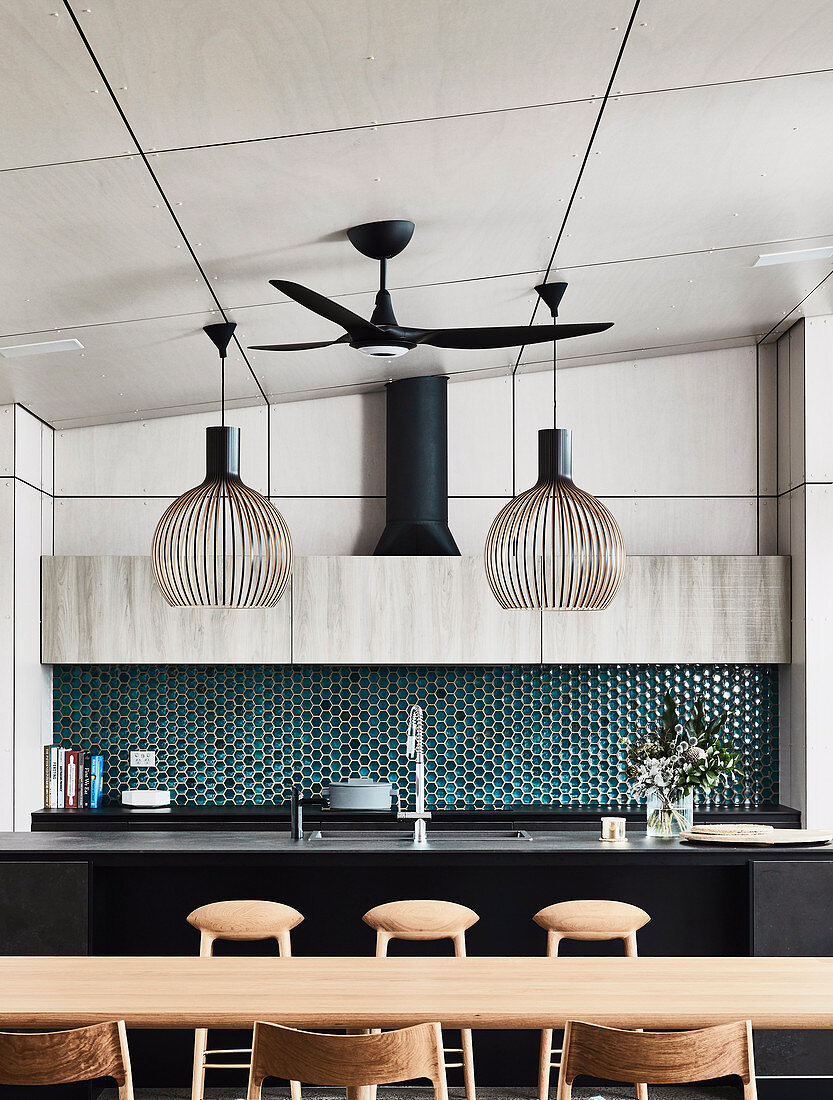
(795, 257)
(47, 347)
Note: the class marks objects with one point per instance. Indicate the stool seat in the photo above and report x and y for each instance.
(592, 920)
(245, 920)
(421, 920)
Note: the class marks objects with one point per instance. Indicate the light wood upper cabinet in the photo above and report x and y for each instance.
(682, 609)
(109, 611)
(402, 610)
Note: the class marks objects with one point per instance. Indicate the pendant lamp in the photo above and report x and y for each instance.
(555, 546)
(221, 544)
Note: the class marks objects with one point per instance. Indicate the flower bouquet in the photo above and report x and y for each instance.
(665, 767)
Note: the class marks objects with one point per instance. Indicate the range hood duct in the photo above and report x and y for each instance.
(417, 470)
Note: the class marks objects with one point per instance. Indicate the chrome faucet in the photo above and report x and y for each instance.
(415, 748)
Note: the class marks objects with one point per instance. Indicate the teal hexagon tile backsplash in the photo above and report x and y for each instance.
(495, 736)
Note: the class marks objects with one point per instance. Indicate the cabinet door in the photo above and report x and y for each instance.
(398, 610)
(679, 610)
(101, 610)
(44, 908)
(791, 906)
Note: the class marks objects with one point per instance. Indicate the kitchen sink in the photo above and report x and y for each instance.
(398, 836)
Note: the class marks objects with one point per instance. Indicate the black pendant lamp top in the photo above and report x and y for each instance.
(221, 544)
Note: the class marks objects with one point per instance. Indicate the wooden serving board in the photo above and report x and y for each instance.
(789, 837)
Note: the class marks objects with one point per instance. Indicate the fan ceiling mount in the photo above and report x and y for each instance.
(383, 337)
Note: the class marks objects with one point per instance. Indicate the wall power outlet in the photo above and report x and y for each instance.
(142, 758)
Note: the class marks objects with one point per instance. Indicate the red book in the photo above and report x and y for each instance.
(71, 798)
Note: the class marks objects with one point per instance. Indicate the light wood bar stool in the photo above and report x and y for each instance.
(237, 920)
(657, 1057)
(429, 920)
(585, 920)
(354, 1061)
(64, 1057)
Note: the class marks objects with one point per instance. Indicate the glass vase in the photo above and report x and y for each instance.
(670, 817)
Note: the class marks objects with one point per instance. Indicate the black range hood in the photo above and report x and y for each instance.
(417, 470)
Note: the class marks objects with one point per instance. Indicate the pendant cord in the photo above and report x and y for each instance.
(222, 389)
(554, 375)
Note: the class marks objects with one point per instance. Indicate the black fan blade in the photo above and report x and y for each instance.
(299, 347)
(357, 327)
(506, 337)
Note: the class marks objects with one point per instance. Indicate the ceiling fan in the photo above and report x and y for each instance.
(382, 335)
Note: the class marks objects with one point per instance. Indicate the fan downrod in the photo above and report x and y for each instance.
(381, 240)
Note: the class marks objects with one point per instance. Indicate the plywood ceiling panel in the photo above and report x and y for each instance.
(160, 367)
(688, 42)
(55, 106)
(202, 73)
(706, 168)
(679, 300)
(484, 193)
(90, 243)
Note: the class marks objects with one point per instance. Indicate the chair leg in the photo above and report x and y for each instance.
(641, 1092)
(198, 1074)
(468, 1063)
(544, 1060)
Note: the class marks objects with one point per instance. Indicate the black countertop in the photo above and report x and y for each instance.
(364, 849)
(224, 818)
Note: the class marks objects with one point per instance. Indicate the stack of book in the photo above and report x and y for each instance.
(73, 779)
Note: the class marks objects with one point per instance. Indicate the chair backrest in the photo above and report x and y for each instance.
(384, 1058)
(657, 1057)
(61, 1057)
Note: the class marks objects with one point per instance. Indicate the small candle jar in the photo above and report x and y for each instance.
(613, 828)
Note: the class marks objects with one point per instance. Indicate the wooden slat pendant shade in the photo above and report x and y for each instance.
(555, 546)
(221, 544)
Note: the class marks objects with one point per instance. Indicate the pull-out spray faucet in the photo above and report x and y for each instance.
(415, 749)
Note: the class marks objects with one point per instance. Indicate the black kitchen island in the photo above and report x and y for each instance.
(128, 892)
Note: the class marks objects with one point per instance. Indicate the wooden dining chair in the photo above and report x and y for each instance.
(64, 1057)
(585, 920)
(241, 921)
(351, 1061)
(657, 1057)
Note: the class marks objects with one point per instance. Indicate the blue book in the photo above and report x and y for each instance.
(96, 781)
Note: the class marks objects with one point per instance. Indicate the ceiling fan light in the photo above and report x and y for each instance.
(555, 546)
(221, 544)
(383, 351)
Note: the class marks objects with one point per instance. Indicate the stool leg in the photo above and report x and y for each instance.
(545, 1055)
(544, 1059)
(465, 1034)
(631, 952)
(285, 951)
(198, 1075)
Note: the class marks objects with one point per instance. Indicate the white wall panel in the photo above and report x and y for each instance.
(676, 425)
(6, 440)
(27, 447)
(768, 419)
(6, 652)
(818, 653)
(333, 525)
(162, 457)
(686, 525)
(31, 679)
(480, 437)
(330, 447)
(106, 525)
(470, 519)
(818, 365)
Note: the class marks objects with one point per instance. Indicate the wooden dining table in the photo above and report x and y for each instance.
(486, 992)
